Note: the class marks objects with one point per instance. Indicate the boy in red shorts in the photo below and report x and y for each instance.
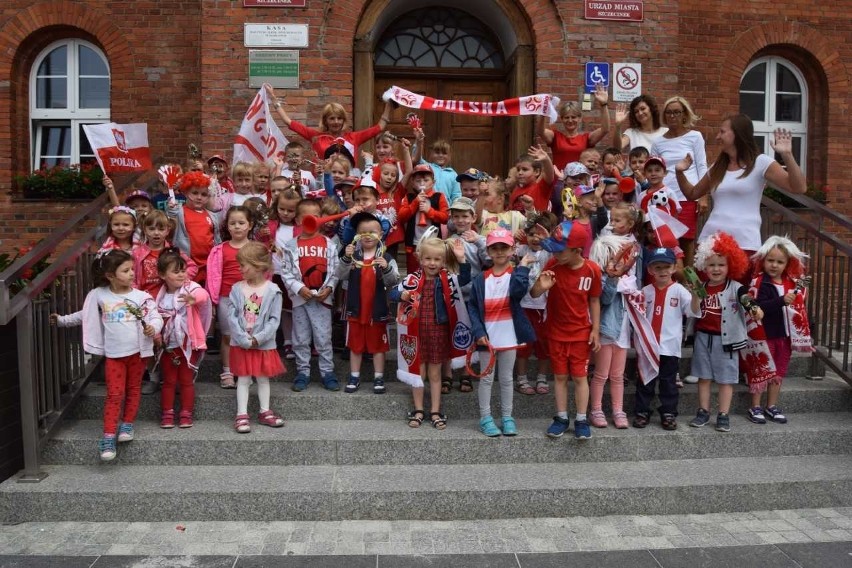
(573, 322)
(370, 272)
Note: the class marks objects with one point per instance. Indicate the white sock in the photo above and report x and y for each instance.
(562, 415)
(355, 374)
(263, 393)
(541, 378)
(579, 417)
(243, 384)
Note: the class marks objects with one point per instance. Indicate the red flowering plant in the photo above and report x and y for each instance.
(7, 260)
(77, 181)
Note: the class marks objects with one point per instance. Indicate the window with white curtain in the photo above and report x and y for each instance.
(69, 87)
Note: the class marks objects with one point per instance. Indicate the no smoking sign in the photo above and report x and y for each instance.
(627, 83)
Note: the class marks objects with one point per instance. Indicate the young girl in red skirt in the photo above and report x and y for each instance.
(254, 314)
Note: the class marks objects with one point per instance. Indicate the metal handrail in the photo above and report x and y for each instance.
(52, 367)
(43, 250)
(814, 205)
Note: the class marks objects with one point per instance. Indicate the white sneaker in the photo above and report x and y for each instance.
(690, 379)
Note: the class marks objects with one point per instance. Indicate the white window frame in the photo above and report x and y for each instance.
(766, 127)
(72, 116)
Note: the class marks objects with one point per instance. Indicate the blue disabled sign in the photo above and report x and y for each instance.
(596, 72)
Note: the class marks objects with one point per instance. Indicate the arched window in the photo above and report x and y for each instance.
(439, 37)
(774, 94)
(69, 87)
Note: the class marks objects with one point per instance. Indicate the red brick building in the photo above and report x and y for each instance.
(182, 67)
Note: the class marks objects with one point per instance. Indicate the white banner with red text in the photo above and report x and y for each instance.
(259, 139)
(539, 104)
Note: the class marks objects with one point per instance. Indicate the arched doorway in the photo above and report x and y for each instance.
(469, 53)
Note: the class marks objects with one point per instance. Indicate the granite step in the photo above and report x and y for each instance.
(439, 492)
(378, 442)
(798, 395)
(211, 365)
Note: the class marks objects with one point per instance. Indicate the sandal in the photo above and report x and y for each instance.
(226, 381)
(415, 418)
(269, 418)
(524, 388)
(465, 385)
(439, 421)
(241, 424)
(541, 387)
(446, 386)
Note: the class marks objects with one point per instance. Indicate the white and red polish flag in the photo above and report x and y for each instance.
(259, 139)
(543, 104)
(120, 148)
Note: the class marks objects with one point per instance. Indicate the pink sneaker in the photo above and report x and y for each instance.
(167, 420)
(620, 419)
(269, 418)
(185, 419)
(597, 419)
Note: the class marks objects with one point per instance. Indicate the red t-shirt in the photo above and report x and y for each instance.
(711, 310)
(150, 280)
(199, 227)
(320, 141)
(388, 205)
(568, 317)
(566, 150)
(540, 192)
(367, 291)
(587, 228)
(313, 260)
(230, 269)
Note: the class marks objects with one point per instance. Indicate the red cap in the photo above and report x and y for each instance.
(422, 169)
(654, 160)
(216, 158)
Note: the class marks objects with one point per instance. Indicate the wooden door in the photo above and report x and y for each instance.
(477, 141)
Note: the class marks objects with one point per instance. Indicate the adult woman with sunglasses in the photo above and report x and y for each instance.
(680, 140)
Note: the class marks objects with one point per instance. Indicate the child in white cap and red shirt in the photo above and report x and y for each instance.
(498, 320)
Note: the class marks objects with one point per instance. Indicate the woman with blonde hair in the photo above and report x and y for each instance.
(680, 140)
(332, 127)
(567, 147)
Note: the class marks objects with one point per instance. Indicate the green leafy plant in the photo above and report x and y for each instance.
(77, 181)
(817, 193)
(7, 260)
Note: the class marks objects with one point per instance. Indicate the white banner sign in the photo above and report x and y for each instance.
(626, 81)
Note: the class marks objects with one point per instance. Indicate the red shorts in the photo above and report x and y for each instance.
(367, 337)
(539, 347)
(569, 357)
(688, 216)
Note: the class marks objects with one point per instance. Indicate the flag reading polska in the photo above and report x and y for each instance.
(120, 148)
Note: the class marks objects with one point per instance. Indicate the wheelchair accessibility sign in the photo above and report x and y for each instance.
(597, 72)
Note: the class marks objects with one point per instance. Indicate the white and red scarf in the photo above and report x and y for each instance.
(756, 359)
(408, 325)
(644, 339)
(541, 104)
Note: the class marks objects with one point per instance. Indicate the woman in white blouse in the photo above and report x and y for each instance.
(644, 121)
(680, 140)
(737, 178)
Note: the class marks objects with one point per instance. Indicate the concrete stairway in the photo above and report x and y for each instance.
(352, 456)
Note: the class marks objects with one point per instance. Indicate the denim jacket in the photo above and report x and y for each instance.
(612, 308)
(518, 286)
(441, 314)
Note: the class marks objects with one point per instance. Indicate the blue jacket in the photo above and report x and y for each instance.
(518, 286)
(441, 314)
(612, 308)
